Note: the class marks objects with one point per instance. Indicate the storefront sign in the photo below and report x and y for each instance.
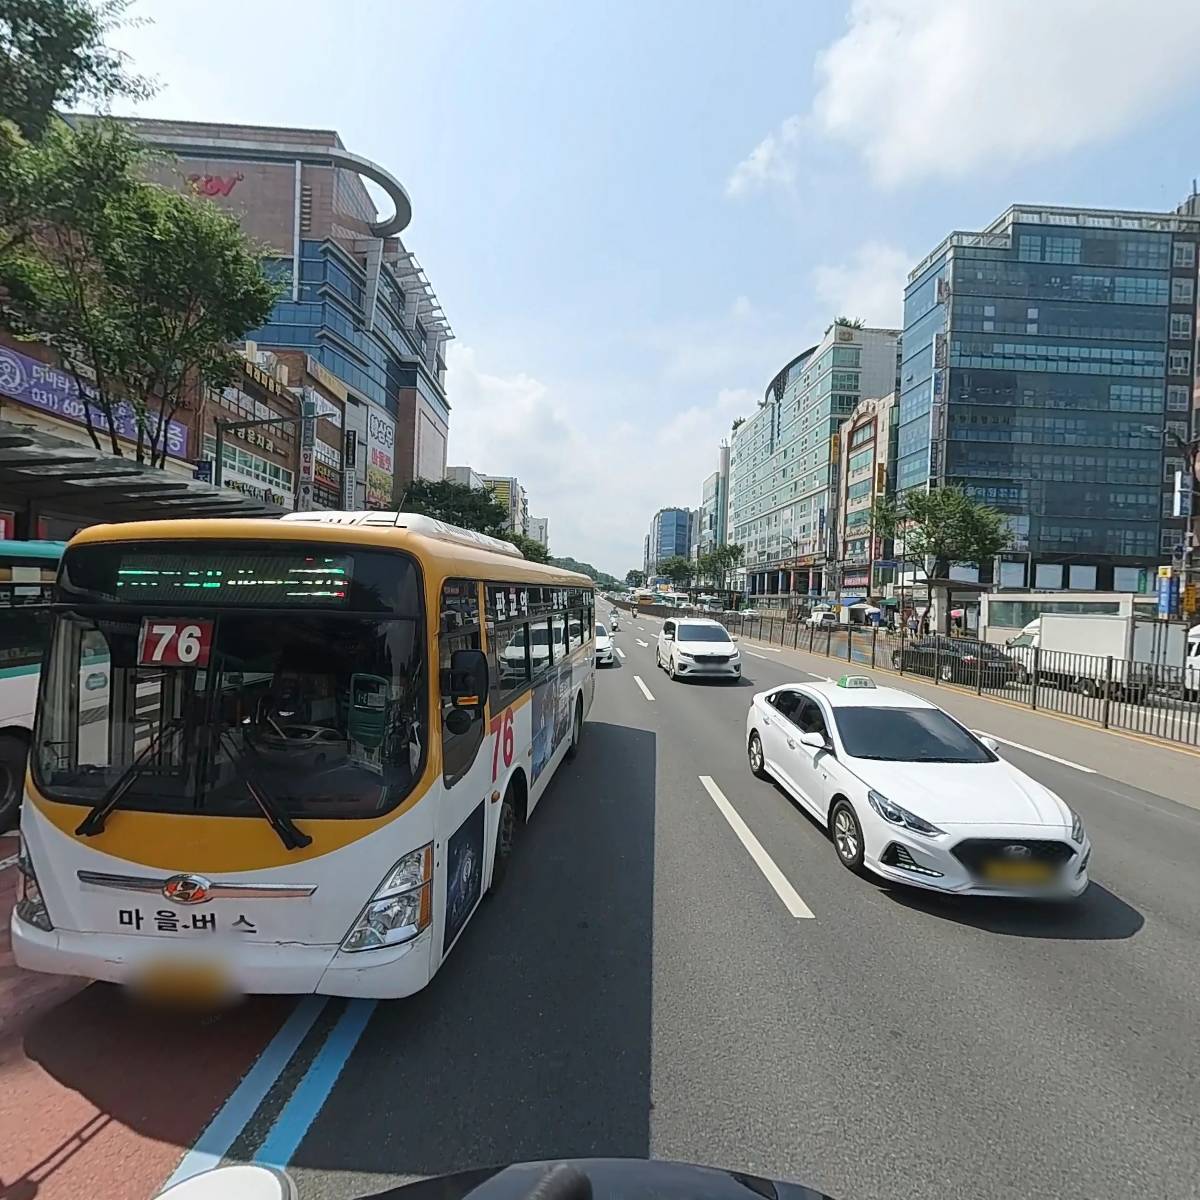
(327, 379)
(349, 467)
(214, 185)
(263, 379)
(37, 385)
(381, 469)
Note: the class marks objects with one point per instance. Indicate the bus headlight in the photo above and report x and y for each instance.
(31, 908)
(401, 906)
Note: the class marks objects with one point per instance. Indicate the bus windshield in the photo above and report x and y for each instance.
(324, 711)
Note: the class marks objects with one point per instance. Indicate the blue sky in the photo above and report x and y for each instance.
(635, 213)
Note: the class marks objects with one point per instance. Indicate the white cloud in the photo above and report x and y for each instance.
(773, 162)
(869, 286)
(597, 481)
(926, 89)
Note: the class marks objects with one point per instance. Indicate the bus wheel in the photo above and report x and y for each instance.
(506, 837)
(13, 753)
(576, 728)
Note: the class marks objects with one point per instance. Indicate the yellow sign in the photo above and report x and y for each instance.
(1164, 572)
(327, 379)
(1191, 598)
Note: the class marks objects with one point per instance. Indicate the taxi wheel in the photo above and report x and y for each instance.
(754, 751)
(847, 835)
(13, 753)
(671, 670)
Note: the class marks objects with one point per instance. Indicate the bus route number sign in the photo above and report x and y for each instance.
(174, 642)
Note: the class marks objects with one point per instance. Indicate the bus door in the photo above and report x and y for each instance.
(466, 816)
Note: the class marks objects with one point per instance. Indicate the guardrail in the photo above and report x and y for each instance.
(1152, 699)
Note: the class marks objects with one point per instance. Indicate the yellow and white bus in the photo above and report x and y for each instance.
(322, 738)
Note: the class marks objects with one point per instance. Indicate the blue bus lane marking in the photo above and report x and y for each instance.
(302, 1107)
(233, 1116)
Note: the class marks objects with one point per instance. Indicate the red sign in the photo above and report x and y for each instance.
(174, 642)
(213, 185)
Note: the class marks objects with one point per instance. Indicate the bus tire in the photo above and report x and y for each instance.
(14, 752)
(576, 728)
(506, 838)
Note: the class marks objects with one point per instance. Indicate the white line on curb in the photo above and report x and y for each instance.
(645, 690)
(765, 863)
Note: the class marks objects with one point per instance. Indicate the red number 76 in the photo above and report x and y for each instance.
(502, 722)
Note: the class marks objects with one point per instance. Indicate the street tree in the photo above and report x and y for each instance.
(457, 504)
(53, 54)
(677, 569)
(635, 578)
(140, 291)
(533, 550)
(939, 529)
(726, 559)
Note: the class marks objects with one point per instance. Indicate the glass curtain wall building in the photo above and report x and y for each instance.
(783, 464)
(670, 535)
(1048, 361)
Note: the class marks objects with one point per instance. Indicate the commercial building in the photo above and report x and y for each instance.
(714, 503)
(1049, 366)
(866, 455)
(356, 299)
(670, 534)
(466, 476)
(539, 530)
(511, 494)
(783, 470)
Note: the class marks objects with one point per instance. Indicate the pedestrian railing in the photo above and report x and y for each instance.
(1154, 699)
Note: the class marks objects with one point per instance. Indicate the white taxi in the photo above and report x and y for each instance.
(604, 646)
(908, 793)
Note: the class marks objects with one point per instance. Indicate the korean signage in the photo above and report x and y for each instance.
(381, 462)
(327, 379)
(53, 391)
(1168, 592)
(349, 466)
(1184, 488)
(308, 460)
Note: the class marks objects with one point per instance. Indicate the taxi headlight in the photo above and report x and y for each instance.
(31, 907)
(1077, 833)
(401, 906)
(901, 816)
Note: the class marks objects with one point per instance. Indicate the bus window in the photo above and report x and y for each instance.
(558, 623)
(460, 631)
(508, 662)
(538, 636)
(575, 631)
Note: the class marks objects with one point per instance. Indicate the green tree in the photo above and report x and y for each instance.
(534, 551)
(583, 568)
(723, 560)
(457, 504)
(139, 290)
(635, 578)
(939, 529)
(53, 53)
(677, 569)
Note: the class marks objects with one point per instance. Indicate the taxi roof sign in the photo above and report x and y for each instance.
(856, 681)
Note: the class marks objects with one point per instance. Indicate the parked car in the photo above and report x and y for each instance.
(822, 620)
(959, 660)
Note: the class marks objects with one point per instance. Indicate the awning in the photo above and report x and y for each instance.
(81, 480)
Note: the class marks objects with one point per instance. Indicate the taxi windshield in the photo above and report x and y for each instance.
(907, 735)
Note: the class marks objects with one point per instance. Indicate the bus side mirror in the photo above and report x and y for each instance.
(468, 681)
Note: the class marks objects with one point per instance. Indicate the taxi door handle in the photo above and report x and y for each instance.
(766, 720)
(791, 744)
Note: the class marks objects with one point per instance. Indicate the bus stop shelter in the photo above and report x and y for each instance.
(45, 478)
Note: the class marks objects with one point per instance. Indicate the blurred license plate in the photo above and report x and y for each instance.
(184, 983)
(1004, 870)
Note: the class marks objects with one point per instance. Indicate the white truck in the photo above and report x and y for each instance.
(1073, 650)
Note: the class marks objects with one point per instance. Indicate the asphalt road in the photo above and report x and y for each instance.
(639, 988)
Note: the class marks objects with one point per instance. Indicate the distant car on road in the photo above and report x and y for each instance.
(691, 646)
(959, 660)
(604, 646)
(909, 794)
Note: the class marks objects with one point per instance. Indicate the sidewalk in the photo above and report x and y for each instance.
(1145, 763)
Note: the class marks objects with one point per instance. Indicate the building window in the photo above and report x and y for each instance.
(1061, 249)
(1179, 362)
(1178, 397)
(1184, 254)
(1169, 539)
(1030, 248)
(1183, 291)
(1181, 325)
(1170, 466)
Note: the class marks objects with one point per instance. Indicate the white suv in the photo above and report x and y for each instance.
(690, 646)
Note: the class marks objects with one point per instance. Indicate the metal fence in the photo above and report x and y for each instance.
(1151, 699)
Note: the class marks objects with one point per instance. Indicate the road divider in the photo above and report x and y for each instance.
(765, 863)
(645, 690)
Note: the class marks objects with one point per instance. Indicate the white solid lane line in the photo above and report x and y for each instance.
(1064, 762)
(765, 863)
(762, 656)
(640, 642)
(620, 652)
(645, 690)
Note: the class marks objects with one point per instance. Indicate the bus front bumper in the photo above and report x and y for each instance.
(250, 968)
